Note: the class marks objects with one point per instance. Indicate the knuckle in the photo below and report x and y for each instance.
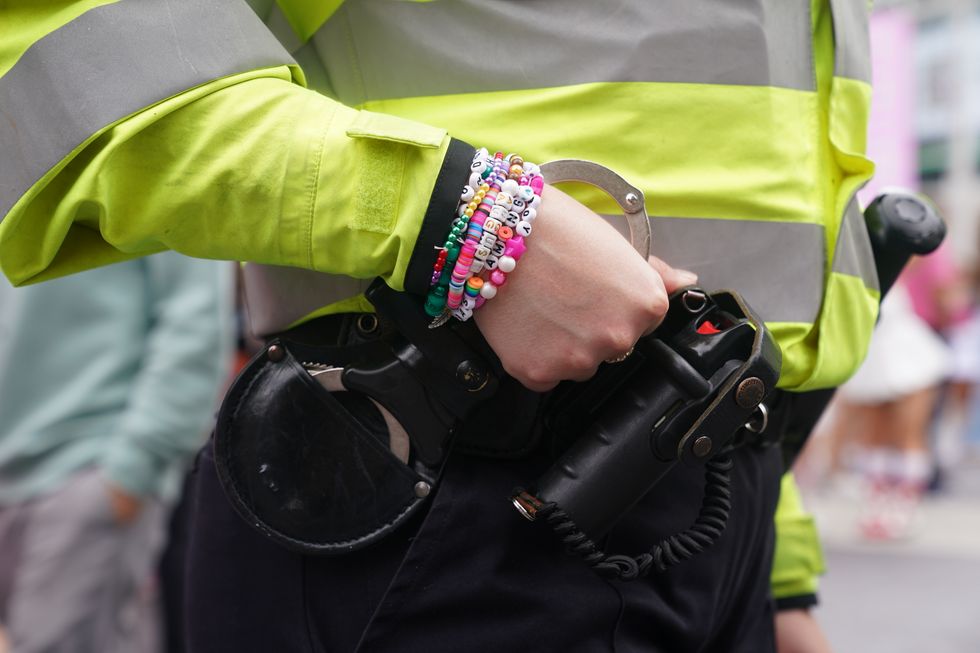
(656, 306)
(578, 360)
(620, 340)
(539, 376)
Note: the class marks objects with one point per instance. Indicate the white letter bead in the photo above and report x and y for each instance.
(491, 225)
(488, 240)
(488, 291)
(498, 213)
(475, 181)
(464, 313)
(468, 302)
(523, 229)
(519, 205)
(478, 164)
(507, 264)
(510, 187)
(526, 193)
(477, 266)
(481, 252)
(512, 219)
(468, 194)
(535, 202)
(498, 247)
(529, 214)
(504, 200)
(491, 262)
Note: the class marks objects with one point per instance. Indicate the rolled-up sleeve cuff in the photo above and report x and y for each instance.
(439, 215)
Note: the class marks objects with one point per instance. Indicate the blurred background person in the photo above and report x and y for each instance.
(108, 384)
(963, 408)
(888, 406)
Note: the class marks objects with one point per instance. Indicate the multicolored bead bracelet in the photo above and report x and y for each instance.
(496, 210)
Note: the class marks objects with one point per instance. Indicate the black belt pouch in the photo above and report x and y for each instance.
(298, 465)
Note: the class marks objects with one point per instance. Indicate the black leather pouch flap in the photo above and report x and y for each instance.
(309, 468)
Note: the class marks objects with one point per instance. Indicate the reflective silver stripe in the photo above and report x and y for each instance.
(276, 297)
(111, 62)
(852, 254)
(382, 49)
(777, 266)
(852, 45)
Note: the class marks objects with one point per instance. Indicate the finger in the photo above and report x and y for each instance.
(674, 278)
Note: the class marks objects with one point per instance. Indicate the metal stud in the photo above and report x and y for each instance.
(750, 392)
(422, 489)
(276, 353)
(702, 446)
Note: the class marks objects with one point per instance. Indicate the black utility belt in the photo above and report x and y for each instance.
(328, 448)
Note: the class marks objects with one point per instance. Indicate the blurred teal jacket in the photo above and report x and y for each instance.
(117, 368)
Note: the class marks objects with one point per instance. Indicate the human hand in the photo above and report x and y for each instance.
(580, 295)
(797, 631)
(125, 506)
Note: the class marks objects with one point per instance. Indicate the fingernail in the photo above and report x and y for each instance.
(686, 277)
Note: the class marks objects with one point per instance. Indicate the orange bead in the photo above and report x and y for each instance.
(505, 233)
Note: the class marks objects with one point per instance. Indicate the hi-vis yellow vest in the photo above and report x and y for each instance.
(742, 120)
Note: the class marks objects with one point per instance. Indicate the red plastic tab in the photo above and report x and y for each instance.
(706, 328)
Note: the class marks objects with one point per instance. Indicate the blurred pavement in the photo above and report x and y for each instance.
(913, 596)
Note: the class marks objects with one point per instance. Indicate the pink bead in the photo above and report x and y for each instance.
(480, 301)
(498, 278)
(469, 249)
(515, 247)
(537, 183)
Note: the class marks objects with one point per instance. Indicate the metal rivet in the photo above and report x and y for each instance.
(632, 199)
(702, 446)
(473, 377)
(422, 489)
(276, 353)
(367, 323)
(750, 392)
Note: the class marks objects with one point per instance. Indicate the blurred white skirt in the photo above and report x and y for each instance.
(905, 355)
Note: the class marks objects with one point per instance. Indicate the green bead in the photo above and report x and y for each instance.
(435, 302)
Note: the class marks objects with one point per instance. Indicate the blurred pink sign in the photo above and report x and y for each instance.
(891, 135)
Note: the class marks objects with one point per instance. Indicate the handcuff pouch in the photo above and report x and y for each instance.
(309, 468)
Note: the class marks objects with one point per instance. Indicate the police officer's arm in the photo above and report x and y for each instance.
(797, 563)
(251, 166)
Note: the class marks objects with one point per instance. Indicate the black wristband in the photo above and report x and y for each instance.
(439, 216)
(800, 602)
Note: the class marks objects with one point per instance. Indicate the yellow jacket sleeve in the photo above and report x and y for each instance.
(251, 166)
(798, 559)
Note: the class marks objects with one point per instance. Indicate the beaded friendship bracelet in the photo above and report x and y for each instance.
(496, 211)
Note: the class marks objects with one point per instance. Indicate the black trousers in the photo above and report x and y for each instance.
(471, 575)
